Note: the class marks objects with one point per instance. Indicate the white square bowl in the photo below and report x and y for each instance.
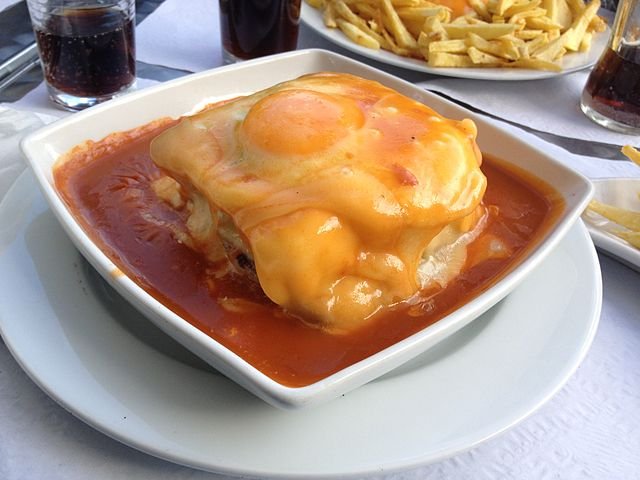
(43, 148)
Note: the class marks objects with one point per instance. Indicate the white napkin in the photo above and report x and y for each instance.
(14, 125)
(551, 105)
(182, 35)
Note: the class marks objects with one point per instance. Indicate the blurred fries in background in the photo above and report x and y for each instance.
(533, 34)
(627, 220)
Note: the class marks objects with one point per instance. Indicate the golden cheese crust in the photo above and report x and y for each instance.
(337, 186)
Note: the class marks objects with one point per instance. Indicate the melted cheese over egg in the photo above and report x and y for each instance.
(337, 186)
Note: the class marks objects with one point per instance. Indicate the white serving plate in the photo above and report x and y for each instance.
(107, 364)
(623, 193)
(174, 98)
(570, 63)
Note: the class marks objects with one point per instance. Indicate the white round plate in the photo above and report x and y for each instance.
(104, 362)
(571, 62)
(622, 193)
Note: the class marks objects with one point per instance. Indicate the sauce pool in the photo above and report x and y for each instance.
(107, 187)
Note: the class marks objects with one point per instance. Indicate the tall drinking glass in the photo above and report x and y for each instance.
(255, 28)
(611, 96)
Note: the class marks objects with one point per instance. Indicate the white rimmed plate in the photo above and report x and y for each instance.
(619, 192)
(174, 98)
(100, 359)
(570, 63)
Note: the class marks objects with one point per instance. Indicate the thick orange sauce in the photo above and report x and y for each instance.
(107, 187)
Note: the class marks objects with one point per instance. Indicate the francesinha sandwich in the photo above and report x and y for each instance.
(340, 196)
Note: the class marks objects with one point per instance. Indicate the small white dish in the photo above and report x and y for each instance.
(177, 97)
(108, 365)
(570, 63)
(619, 192)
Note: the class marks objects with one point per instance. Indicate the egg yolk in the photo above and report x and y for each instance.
(300, 122)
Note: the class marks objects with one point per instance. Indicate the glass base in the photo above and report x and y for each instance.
(74, 103)
(229, 58)
(607, 122)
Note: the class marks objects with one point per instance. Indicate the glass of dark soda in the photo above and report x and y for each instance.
(87, 49)
(611, 96)
(256, 28)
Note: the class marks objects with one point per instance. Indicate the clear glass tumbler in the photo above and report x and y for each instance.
(87, 49)
(611, 96)
(255, 28)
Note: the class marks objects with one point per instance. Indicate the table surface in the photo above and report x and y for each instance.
(590, 429)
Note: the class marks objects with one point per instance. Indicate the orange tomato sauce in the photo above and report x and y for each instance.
(106, 184)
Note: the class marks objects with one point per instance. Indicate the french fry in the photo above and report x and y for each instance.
(553, 34)
(576, 7)
(632, 237)
(453, 60)
(481, 9)
(405, 3)
(473, 19)
(400, 32)
(499, 48)
(329, 16)
(519, 42)
(542, 23)
(521, 6)
(450, 46)
(357, 35)
(524, 52)
(632, 154)
(461, 20)
(420, 13)
(487, 31)
(433, 30)
(537, 44)
(510, 48)
(482, 58)
(585, 44)
(626, 218)
(580, 24)
(366, 10)
(398, 50)
(558, 12)
(522, 17)
(343, 10)
(503, 5)
(526, 34)
(550, 51)
(597, 25)
(414, 17)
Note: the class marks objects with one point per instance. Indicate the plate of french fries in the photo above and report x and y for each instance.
(613, 215)
(481, 39)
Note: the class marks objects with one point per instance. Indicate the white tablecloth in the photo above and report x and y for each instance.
(590, 429)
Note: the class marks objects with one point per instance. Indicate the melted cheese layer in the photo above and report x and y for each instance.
(337, 186)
